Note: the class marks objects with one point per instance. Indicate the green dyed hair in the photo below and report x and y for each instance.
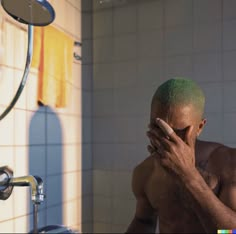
(180, 91)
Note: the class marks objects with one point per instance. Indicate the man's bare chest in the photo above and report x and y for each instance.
(165, 192)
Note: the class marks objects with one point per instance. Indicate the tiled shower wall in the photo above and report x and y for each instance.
(137, 44)
(44, 141)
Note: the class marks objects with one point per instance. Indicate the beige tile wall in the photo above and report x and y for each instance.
(41, 140)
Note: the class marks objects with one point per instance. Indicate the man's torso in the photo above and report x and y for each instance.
(171, 201)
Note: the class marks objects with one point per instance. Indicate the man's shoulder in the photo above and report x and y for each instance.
(223, 160)
(141, 174)
(143, 170)
(145, 167)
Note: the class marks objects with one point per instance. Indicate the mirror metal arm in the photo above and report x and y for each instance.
(26, 71)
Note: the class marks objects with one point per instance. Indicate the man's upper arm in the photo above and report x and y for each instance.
(228, 181)
(144, 209)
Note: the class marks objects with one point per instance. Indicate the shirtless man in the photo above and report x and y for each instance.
(187, 184)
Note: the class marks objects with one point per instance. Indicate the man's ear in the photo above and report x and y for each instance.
(201, 126)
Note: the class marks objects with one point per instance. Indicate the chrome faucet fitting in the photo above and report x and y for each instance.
(36, 184)
(7, 183)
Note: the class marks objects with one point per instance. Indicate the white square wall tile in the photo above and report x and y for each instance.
(54, 215)
(124, 157)
(86, 100)
(86, 209)
(71, 129)
(7, 157)
(98, 5)
(60, 9)
(70, 186)
(207, 37)
(123, 211)
(87, 5)
(86, 187)
(54, 159)
(214, 97)
(150, 15)
(103, 130)
(102, 183)
(31, 92)
(37, 160)
(37, 127)
(125, 47)
(202, 9)
(102, 23)
(87, 30)
(100, 227)
(207, 67)
(150, 44)
(125, 74)
(78, 24)
(86, 130)
(21, 102)
(22, 198)
(19, 49)
(71, 158)
(229, 10)
(54, 189)
(119, 228)
(124, 20)
(7, 129)
(103, 76)
(21, 128)
(77, 75)
(54, 129)
(144, 98)
(122, 185)
(102, 50)
(149, 72)
(86, 77)
(179, 41)
(229, 65)
(102, 209)
(125, 102)
(213, 128)
(70, 213)
(142, 128)
(178, 12)
(7, 83)
(87, 53)
(21, 161)
(7, 226)
(87, 160)
(181, 66)
(229, 96)
(21, 224)
(9, 53)
(228, 126)
(8, 207)
(103, 155)
(229, 35)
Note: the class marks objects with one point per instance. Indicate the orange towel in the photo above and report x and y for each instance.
(53, 57)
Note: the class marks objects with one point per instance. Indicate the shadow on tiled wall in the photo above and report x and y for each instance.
(45, 160)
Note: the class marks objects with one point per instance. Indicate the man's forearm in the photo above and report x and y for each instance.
(212, 213)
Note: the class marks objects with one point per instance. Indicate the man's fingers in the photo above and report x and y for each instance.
(167, 130)
(164, 127)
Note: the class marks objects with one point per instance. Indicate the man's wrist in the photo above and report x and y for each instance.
(191, 178)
